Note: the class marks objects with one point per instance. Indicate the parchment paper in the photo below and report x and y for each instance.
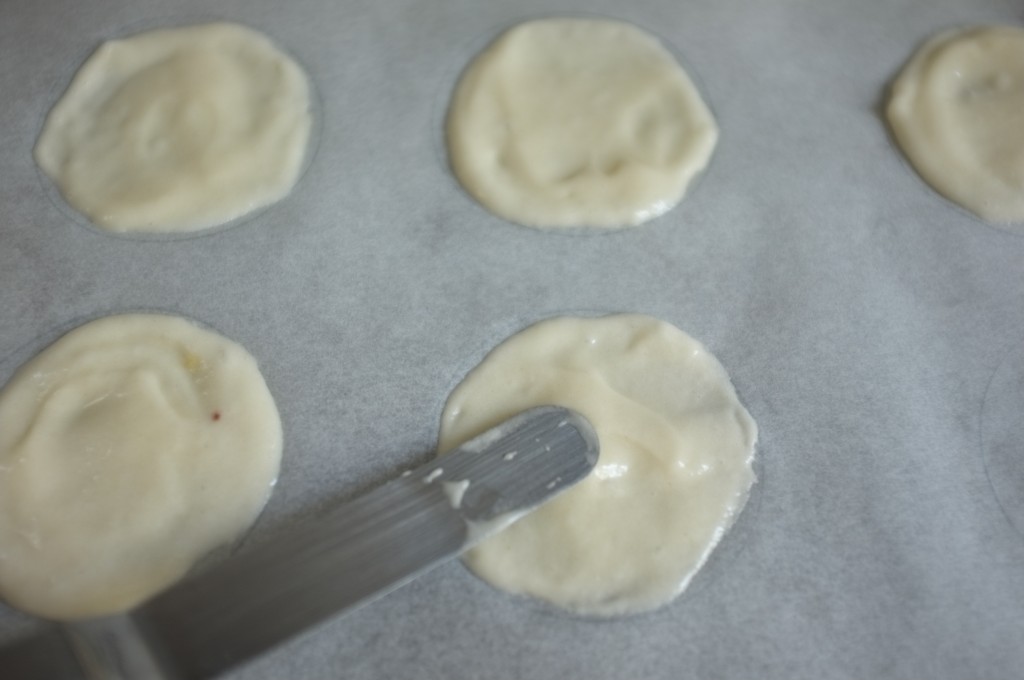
(860, 315)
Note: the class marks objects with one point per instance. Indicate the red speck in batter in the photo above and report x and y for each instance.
(216, 415)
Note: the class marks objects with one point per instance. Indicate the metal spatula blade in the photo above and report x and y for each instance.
(344, 559)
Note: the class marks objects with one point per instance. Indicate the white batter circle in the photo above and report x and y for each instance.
(675, 469)
(176, 130)
(577, 123)
(130, 448)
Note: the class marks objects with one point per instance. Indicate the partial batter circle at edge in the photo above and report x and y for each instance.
(932, 127)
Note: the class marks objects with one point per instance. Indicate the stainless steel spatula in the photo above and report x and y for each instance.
(351, 555)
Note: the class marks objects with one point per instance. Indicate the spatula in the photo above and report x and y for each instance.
(346, 558)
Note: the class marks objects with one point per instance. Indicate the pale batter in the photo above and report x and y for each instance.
(179, 129)
(957, 111)
(674, 472)
(129, 449)
(578, 122)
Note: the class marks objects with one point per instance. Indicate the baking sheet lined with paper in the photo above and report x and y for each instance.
(860, 316)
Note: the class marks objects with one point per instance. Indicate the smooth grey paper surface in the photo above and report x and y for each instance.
(860, 315)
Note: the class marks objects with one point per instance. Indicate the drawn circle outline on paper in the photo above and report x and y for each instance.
(1002, 436)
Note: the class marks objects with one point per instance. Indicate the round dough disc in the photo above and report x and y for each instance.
(957, 111)
(674, 471)
(578, 122)
(179, 129)
(129, 449)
